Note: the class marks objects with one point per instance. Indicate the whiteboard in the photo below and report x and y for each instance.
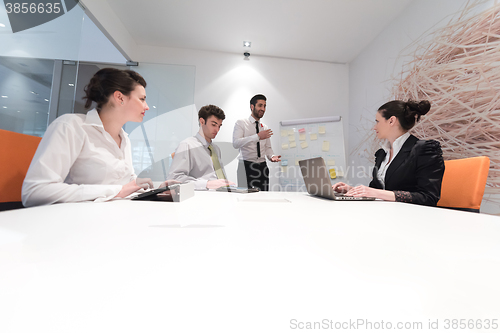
(309, 138)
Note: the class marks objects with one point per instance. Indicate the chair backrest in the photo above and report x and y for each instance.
(16, 152)
(464, 181)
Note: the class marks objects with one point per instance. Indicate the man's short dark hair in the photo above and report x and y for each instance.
(254, 99)
(211, 110)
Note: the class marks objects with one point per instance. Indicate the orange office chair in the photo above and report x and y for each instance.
(463, 185)
(16, 153)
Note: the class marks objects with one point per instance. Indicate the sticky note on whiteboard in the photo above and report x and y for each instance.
(333, 174)
(284, 146)
(291, 138)
(284, 133)
(283, 169)
(293, 144)
(284, 162)
(297, 162)
(314, 136)
(303, 145)
(291, 132)
(302, 130)
(331, 162)
(302, 137)
(326, 146)
(322, 130)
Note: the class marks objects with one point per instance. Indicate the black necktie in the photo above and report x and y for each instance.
(258, 142)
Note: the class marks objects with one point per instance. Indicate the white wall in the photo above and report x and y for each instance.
(371, 72)
(295, 89)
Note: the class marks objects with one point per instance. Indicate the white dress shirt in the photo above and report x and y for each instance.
(192, 162)
(245, 139)
(77, 160)
(396, 147)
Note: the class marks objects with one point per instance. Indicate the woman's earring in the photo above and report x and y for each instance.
(122, 102)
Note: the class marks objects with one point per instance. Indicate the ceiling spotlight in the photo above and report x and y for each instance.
(246, 54)
(46, 100)
(154, 107)
(247, 44)
(2, 25)
(5, 96)
(5, 107)
(18, 111)
(34, 93)
(71, 84)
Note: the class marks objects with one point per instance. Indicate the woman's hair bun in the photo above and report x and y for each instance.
(420, 108)
(423, 107)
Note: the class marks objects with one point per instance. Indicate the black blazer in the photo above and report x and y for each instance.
(415, 174)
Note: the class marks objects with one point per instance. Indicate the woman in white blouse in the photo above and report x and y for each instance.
(88, 157)
(406, 169)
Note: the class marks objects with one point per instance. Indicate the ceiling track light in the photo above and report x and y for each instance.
(247, 44)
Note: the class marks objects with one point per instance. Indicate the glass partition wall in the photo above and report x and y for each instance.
(43, 75)
(25, 90)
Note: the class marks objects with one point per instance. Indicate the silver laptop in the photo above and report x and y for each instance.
(317, 180)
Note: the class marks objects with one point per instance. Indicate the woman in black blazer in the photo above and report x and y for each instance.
(406, 169)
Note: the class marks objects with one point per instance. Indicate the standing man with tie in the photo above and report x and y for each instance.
(197, 159)
(252, 138)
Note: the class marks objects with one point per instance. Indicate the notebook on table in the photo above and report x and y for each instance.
(238, 189)
(317, 180)
(171, 193)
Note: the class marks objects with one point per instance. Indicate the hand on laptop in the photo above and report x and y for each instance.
(169, 182)
(213, 184)
(362, 191)
(365, 191)
(144, 183)
(133, 186)
(341, 187)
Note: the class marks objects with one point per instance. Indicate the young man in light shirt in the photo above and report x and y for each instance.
(252, 138)
(197, 159)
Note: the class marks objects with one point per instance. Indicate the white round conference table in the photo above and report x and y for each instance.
(258, 262)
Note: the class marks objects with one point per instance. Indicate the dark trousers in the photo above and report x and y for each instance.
(254, 175)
